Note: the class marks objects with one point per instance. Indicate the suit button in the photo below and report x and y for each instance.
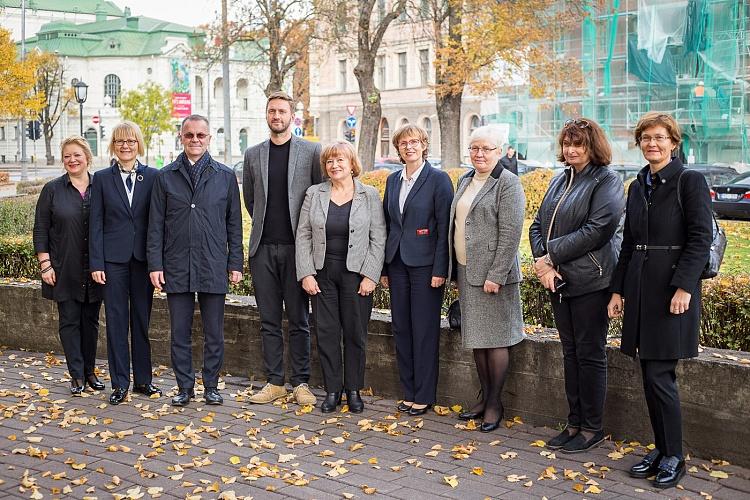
(467, 237)
(351, 231)
(467, 222)
(192, 205)
(351, 246)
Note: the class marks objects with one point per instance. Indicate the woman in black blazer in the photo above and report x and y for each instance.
(665, 247)
(120, 202)
(61, 245)
(417, 205)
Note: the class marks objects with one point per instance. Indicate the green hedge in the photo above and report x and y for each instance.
(724, 322)
(17, 215)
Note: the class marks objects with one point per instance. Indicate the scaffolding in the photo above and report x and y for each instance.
(688, 58)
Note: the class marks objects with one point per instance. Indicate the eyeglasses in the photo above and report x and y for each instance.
(189, 136)
(646, 139)
(412, 144)
(577, 122)
(129, 142)
(476, 149)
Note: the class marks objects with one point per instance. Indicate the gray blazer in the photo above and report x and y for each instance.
(493, 228)
(366, 231)
(304, 171)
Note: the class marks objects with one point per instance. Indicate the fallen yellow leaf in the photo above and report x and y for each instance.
(452, 481)
(234, 460)
(477, 471)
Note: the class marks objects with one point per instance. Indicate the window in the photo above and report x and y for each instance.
(381, 10)
(380, 72)
(219, 89)
(342, 75)
(402, 69)
(427, 125)
(199, 98)
(2, 133)
(474, 124)
(242, 93)
(112, 89)
(424, 66)
(385, 137)
(424, 8)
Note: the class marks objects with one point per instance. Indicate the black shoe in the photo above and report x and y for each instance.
(579, 443)
(560, 440)
(332, 400)
(76, 387)
(647, 467)
(94, 382)
(353, 399)
(118, 396)
(671, 470)
(147, 389)
(213, 397)
(471, 415)
(415, 412)
(183, 397)
(403, 407)
(490, 426)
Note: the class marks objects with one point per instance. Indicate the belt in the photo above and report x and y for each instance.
(644, 248)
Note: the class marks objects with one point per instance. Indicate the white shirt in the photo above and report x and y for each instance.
(406, 185)
(132, 176)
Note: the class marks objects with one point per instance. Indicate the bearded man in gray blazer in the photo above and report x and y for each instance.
(276, 175)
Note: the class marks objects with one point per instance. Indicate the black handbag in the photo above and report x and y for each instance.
(718, 241)
(454, 315)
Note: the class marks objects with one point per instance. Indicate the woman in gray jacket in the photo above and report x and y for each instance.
(340, 247)
(486, 225)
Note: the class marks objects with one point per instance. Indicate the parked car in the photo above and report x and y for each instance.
(238, 171)
(387, 163)
(715, 174)
(732, 199)
(626, 171)
(526, 166)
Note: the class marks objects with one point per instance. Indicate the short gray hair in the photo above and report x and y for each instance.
(491, 133)
(194, 118)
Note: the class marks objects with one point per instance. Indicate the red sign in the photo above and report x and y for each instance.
(181, 105)
(95, 119)
(350, 109)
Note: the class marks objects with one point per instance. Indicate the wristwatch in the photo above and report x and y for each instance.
(548, 261)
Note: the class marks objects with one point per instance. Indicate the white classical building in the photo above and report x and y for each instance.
(113, 51)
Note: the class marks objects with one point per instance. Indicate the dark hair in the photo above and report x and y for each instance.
(655, 119)
(280, 94)
(587, 133)
(194, 118)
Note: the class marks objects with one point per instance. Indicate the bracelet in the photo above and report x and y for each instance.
(46, 269)
(548, 261)
(43, 261)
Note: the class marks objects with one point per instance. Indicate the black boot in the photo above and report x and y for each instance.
(332, 400)
(183, 397)
(118, 396)
(356, 405)
(213, 397)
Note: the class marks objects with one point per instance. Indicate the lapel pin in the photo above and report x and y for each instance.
(139, 177)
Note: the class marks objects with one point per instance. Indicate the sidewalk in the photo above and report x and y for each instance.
(53, 445)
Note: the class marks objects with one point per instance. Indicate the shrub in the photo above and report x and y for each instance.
(725, 313)
(17, 215)
(32, 187)
(535, 185)
(17, 257)
(376, 179)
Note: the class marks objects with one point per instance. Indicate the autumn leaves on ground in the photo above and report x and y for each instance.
(53, 445)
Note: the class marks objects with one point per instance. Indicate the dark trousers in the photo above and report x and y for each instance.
(341, 312)
(274, 275)
(79, 333)
(415, 310)
(181, 310)
(582, 324)
(128, 295)
(663, 401)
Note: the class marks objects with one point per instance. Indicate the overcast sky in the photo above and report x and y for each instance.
(188, 12)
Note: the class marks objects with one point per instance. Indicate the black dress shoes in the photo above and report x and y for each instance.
(332, 400)
(560, 440)
(671, 470)
(579, 443)
(94, 382)
(147, 389)
(403, 407)
(490, 426)
(118, 396)
(415, 412)
(76, 387)
(353, 399)
(183, 397)
(213, 397)
(471, 415)
(647, 467)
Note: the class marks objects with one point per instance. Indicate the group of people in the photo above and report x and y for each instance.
(321, 237)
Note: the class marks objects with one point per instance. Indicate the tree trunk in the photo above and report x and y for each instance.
(371, 111)
(449, 117)
(48, 145)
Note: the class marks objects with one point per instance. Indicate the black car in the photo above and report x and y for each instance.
(732, 200)
(238, 170)
(626, 171)
(715, 174)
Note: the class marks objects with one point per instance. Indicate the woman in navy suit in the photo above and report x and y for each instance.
(120, 201)
(417, 206)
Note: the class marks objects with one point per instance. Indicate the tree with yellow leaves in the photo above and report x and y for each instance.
(17, 79)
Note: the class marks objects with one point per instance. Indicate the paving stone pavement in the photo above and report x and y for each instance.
(53, 445)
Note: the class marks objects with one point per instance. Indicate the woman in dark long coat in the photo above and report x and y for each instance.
(666, 243)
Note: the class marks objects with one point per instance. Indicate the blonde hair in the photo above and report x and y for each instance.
(410, 130)
(77, 140)
(342, 148)
(126, 130)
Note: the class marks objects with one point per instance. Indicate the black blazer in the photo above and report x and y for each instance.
(647, 280)
(195, 236)
(420, 234)
(117, 229)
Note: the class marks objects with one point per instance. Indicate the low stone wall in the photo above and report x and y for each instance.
(715, 390)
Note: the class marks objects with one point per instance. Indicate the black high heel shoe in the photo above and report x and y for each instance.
(491, 426)
(403, 407)
(76, 387)
(415, 412)
(94, 382)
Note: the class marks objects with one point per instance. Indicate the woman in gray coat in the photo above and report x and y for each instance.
(340, 247)
(486, 223)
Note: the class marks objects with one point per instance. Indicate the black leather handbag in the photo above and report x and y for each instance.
(454, 315)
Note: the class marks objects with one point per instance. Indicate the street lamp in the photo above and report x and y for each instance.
(81, 90)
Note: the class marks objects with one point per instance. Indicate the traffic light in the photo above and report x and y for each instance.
(34, 130)
(350, 135)
(102, 131)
